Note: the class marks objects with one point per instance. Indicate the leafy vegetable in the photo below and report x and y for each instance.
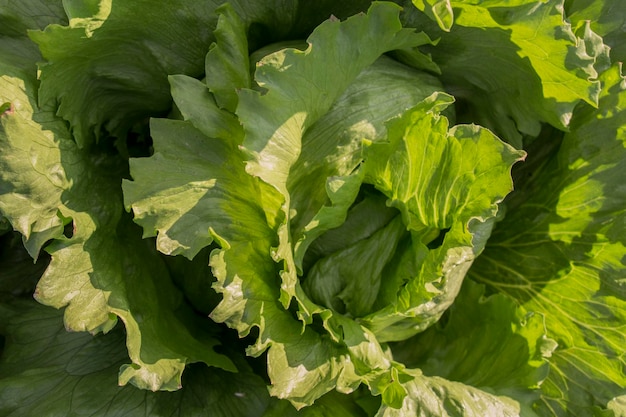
(296, 208)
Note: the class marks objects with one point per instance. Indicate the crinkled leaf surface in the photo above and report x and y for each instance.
(488, 342)
(100, 268)
(332, 147)
(109, 92)
(17, 72)
(515, 64)
(301, 88)
(44, 370)
(607, 18)
(243, 215)
(433, 396)
(296, 99)
(445, 184)
(99, 91)
(560, 252)
(219, 200)
(213, 198)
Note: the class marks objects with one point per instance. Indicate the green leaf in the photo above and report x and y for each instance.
(606, 18)
(516, 64)
(18, 56)
(486, 342)
(433, 396)
(213, 199)
(17, 18)
(45, 370)
(296, 99)
(560, 252)
(438, 10)
(99, 92)
(100, 267)
(444, 184)
(211, 195)
(331, 404)
(104, 94)
(325, 169)
(301, 88)
(197, 105)
(220, 201)
(227, 64)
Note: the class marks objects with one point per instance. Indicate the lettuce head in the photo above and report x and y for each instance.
(293, 208)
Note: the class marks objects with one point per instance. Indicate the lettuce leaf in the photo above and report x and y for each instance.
(115, 92)
(515, 64)
(559, 252)
(440, 191)
(108, 94)
(100, 268)
(314, 204)
(484, 341)
(45, 370)
(606, 18)
(245, 206)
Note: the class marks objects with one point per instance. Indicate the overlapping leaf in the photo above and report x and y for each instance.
(444, 184)
(112, 93)
(515, 64)
(99, 91)
(560, 251)
(607, 18)
(270, 182)
(488, 342)
(100, 268)
(240, 212)
(45, 370)
(248, 210)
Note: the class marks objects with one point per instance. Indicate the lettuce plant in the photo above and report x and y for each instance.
(286, 208)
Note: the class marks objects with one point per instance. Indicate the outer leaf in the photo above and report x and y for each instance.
(302, 364)
(17, 18)
(560, 251)
(104, 270)
(486, 342)
(243, 215)
(607, 19)
(110, 92)
(210, 196)
(516, 64)
(45, 370)
(220, 201)
(227, 62)
(17, 73)
(433, 396)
